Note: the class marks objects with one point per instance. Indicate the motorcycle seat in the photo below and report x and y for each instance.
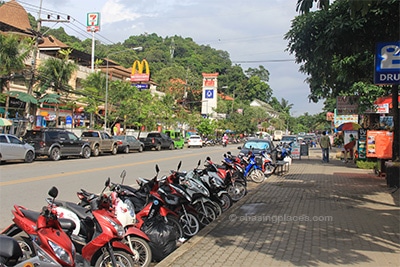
(10, 248)
(30, 214)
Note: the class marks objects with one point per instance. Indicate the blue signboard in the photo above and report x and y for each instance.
(387, 63)
(209, 94)
(68, 120)
(141, 86)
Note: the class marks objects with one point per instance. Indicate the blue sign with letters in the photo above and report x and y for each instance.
(141, 86)
(387, 63)
(209, 94)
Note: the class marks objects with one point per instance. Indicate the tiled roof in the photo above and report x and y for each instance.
(52, 42)
(13, 14)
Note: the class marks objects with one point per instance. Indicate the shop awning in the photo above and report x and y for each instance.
(385, 100)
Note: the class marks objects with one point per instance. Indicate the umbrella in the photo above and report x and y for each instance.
(349, 126)
(5, 122)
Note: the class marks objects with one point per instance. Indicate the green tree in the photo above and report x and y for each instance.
(13, 53)
(304, 6)
(93, 94)
(206, 127)
(54, 75)
(333, 68)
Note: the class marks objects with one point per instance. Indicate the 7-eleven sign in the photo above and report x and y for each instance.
(93, 22)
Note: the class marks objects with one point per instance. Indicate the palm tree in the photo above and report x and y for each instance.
(54, 74)
(13, 53)
(93, 93)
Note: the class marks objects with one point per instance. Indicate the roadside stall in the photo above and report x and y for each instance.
(380, 138)
(350, 132)
(379, 146)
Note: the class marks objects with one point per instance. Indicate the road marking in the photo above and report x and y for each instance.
(51, 176)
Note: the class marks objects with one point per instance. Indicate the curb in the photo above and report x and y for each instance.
(169, 260)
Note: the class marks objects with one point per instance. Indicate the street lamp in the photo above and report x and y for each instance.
(139, 48)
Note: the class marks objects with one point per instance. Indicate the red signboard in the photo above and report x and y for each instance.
(379, 144)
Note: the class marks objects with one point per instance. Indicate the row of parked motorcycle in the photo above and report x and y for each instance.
(126, 225)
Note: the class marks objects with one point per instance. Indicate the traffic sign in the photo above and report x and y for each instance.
(141, 86)
(209, 94)
(387, 63)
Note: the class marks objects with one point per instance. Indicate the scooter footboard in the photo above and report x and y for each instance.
(119, 245)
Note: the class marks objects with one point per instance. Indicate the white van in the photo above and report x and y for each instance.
(278, 135)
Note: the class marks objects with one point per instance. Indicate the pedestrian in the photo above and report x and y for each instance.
(325, 144)
(349, 148)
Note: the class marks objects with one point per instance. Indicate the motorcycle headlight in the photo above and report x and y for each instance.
(118, 227)
(61, 253)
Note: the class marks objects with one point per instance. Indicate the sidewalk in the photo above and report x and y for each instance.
(319, 214)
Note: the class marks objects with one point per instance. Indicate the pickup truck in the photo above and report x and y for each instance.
(157, 141)
(100, 142)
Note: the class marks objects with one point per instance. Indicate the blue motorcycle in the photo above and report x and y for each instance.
(253, 169)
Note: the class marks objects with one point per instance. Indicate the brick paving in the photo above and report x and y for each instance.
(318, 214)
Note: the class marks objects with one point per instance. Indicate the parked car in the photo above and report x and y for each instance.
(56, 143)
(157, 141)
(195, 140)
(277, 135)
(179, 141)
(127, 143)
(100, 142)
(12, 148)
(289, 138)
(256, 145)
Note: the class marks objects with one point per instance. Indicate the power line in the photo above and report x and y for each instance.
(78, 29)
(266, 60)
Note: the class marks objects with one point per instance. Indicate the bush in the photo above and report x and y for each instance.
(366, 164)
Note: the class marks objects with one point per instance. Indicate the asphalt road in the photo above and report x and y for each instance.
(27, 184)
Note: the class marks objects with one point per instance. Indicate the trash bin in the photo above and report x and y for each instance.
(392, 174)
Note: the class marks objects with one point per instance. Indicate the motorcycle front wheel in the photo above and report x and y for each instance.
(268, 169)
(226, 201)
(190, 224)
(122, 258)
(141, 251)
(174, 222)
(237, 191)
(257, 176)
(206, 215)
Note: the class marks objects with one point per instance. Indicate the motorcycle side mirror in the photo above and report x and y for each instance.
(208, 158)
(53, 192)
(157, 169)
(179, 165)
(229, 153)
(239, 147)
(123, 175)
(107, 183)
(198, 163)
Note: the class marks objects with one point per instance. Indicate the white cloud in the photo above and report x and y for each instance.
(247, 30)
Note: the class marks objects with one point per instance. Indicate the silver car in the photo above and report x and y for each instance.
(127, 143)
(11, 148)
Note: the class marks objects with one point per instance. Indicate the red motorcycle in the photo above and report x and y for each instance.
(46, 235)
(148, 203)
(100, 241)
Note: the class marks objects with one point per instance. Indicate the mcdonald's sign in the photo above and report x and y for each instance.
(140, 71)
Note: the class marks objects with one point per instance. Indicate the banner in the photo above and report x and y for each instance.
(138, 68)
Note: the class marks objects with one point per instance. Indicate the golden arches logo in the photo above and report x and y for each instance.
(140, 71)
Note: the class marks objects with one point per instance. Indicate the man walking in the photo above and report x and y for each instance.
(325, 144)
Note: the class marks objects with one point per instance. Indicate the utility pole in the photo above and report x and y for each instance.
(36, 53)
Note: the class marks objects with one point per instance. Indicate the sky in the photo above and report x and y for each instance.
(250, 31)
